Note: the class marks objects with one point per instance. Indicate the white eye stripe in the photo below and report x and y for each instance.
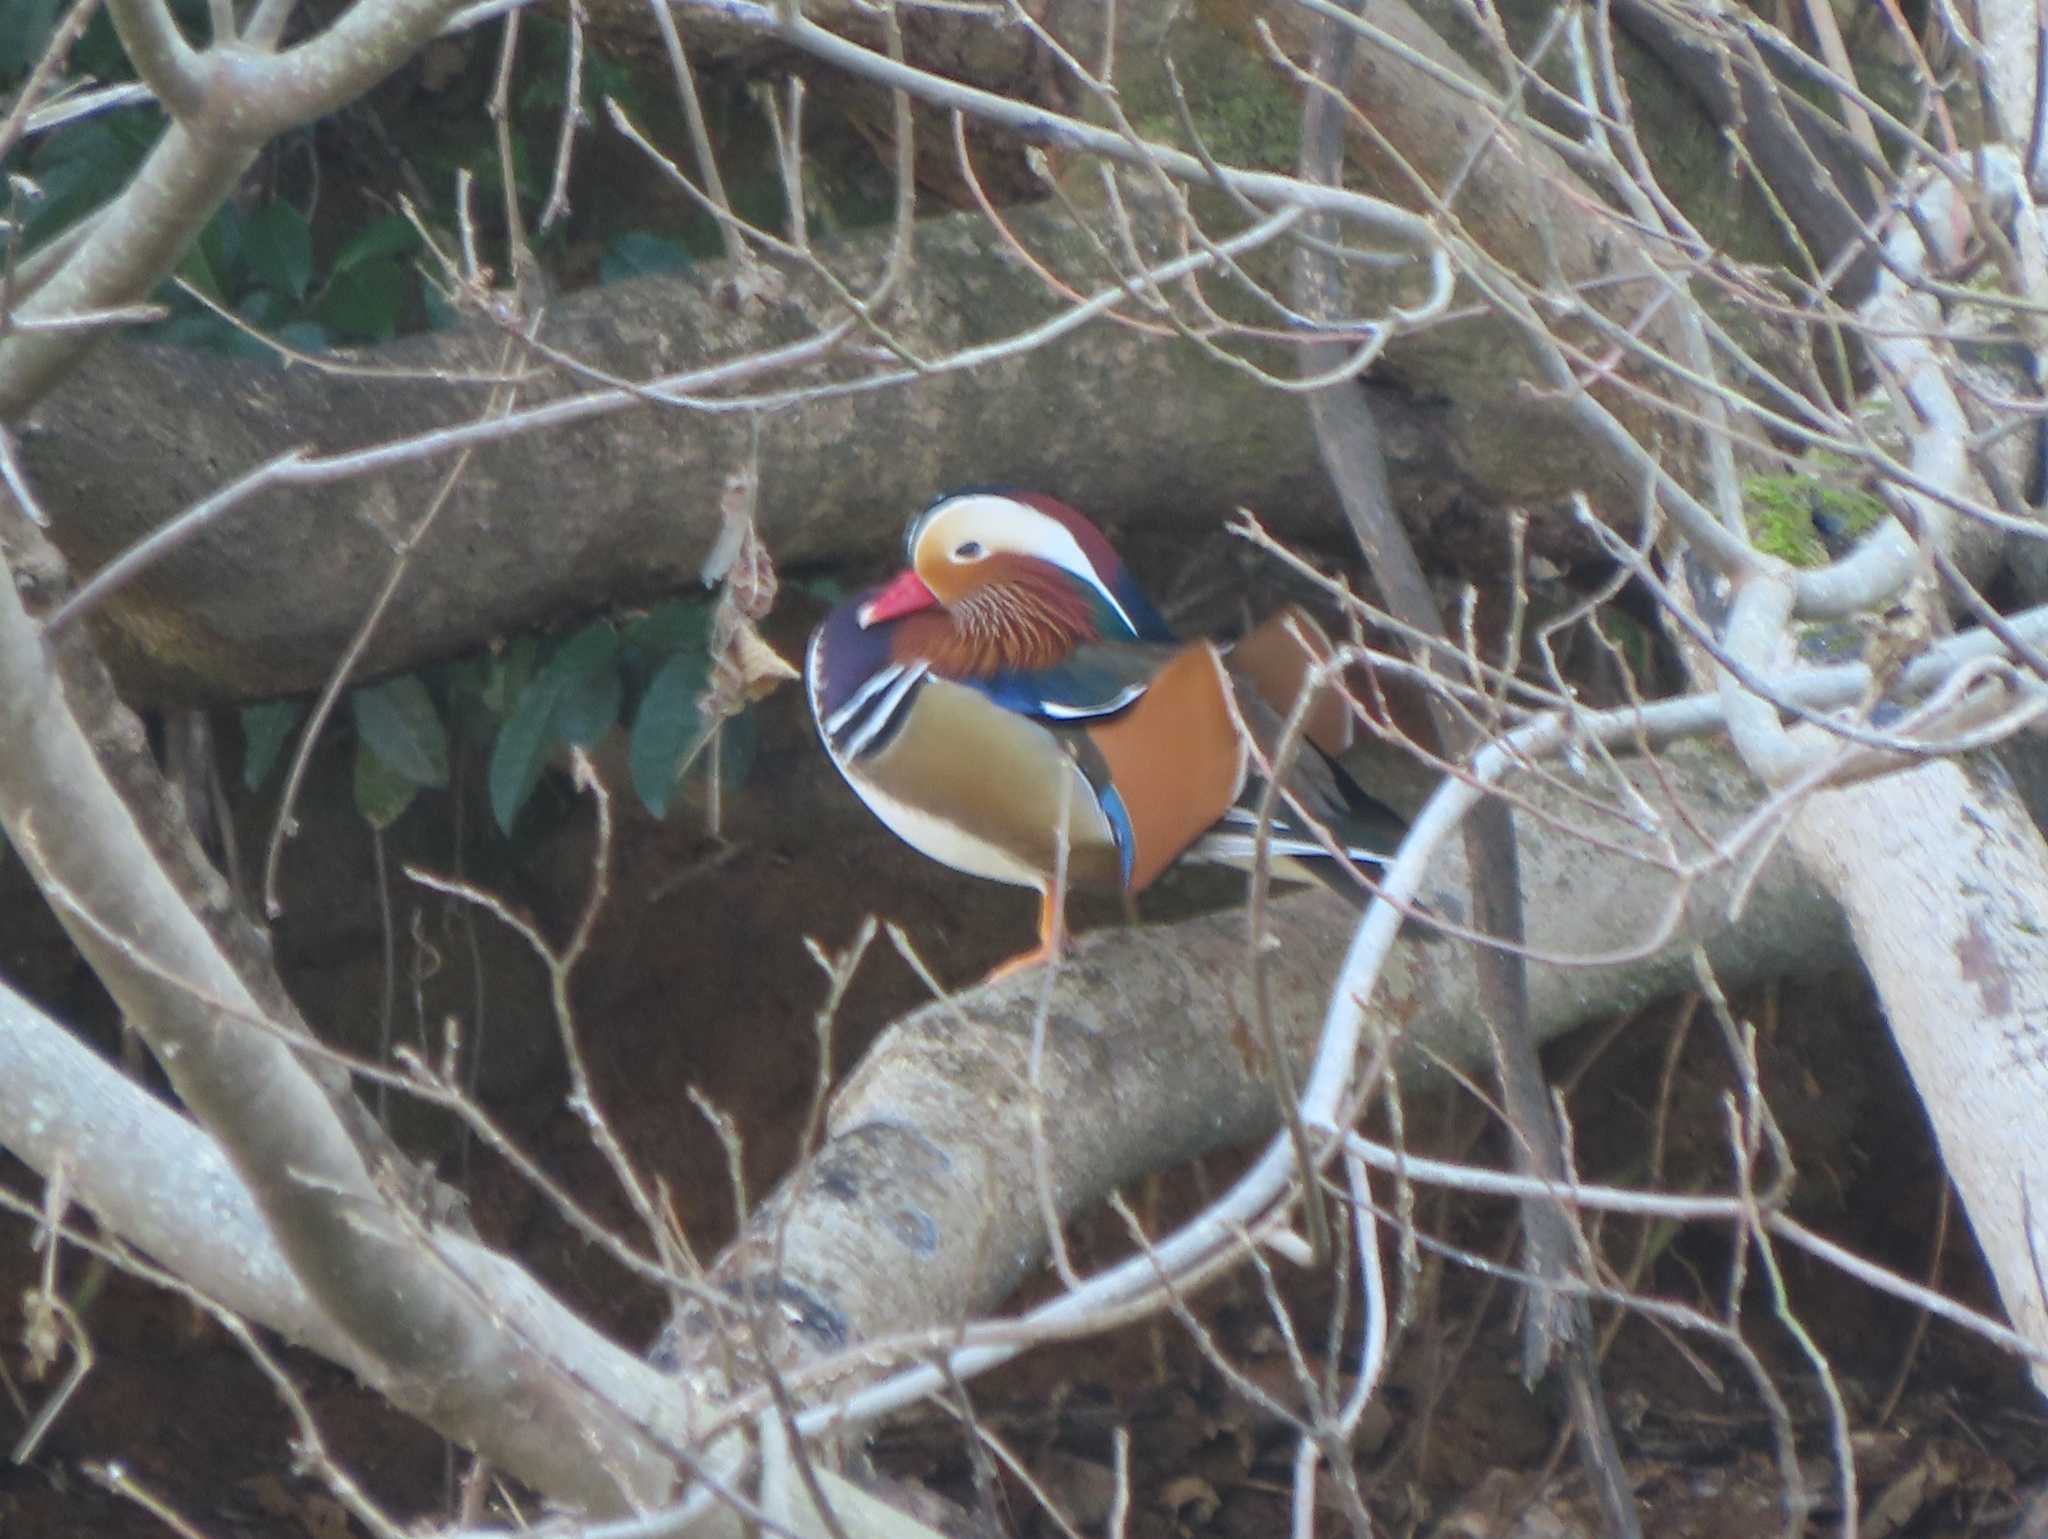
(992, 522)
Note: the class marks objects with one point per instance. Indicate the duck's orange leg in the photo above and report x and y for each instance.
(1052, 939)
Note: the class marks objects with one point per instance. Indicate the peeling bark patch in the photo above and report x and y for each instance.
(835, 1179)
(810, 1314)
(874, 1157)
(1985, 969)
(879, 1132)
(915, 1229)
(801, 1310)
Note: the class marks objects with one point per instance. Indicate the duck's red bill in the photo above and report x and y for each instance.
(905, 595)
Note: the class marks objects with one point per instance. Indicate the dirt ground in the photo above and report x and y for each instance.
(700, 978)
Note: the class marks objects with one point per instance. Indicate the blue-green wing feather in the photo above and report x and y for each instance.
(1091, 682)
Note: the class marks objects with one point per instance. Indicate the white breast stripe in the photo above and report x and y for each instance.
(882, 679)
(907, 677)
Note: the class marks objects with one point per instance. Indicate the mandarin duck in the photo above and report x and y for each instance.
(1015, 677)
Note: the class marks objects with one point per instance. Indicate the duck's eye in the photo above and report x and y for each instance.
(968, 550)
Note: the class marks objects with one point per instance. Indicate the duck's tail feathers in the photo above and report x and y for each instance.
(1366, 834)
(1268, 669)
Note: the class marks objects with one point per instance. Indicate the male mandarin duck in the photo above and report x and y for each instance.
(1015, 676)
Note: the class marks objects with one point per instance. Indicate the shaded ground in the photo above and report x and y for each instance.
(701, 978)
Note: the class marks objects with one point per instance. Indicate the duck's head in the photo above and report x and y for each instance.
(1018, 571)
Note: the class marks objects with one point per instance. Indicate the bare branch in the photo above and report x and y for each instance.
(168, 64)
(136, 904)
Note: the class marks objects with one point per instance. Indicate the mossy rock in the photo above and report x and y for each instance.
(1794, 517)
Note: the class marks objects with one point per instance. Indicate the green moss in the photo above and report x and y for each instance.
(1245, 114)
(1781, 511)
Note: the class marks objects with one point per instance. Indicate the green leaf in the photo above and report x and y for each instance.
(25, 27)
(587, 651)
(382, 794)
(99, 54)
(585, 677)
(830, 589)
(399, 723)
(637, 253)
(222, 238)
(521, 751)
(604, 76)
(304, 337)
(669, 731)
(261, 308)
(544, 86)
(194, 331)
(363, 303)
(575, 697)
(675, 625)
(481, 159)
(510, 672)
(590, 706)
(266, 728)
(462, 682)
(278, 247)
(210, 265)
(392, 236)
(440, 313)
(86, 164)
(239, 344)
(196, 267)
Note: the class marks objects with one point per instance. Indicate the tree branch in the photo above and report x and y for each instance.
(168, 64)
(225, 104)
(156, 925)
(920, 1210)
(1348, 442)
(324, 74)
(164, 1186)
(133, 243)
(1113, 421)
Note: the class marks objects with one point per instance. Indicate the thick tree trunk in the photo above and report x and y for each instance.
(620, 501)
(1944, 879)
(922, 1208)
(108, 844)
(615, 502)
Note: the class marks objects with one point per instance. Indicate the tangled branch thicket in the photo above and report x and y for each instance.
(1752, 455)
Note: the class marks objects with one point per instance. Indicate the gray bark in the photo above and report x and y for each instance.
(624, 506)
